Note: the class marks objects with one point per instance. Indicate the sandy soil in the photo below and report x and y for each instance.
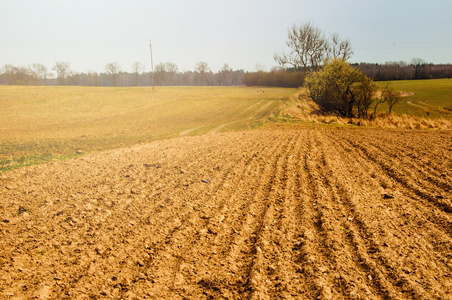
(289, 213)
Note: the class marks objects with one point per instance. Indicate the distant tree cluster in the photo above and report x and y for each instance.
(164, 74)
(275, 78)
(35, 74)
(417, 69)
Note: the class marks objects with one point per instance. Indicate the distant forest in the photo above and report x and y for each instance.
(167, 74)
(389, 71)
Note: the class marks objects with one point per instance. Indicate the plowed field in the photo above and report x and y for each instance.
(293, 213)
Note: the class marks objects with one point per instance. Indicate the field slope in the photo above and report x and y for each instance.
(431, 99)
(292, 213)
(40, 123)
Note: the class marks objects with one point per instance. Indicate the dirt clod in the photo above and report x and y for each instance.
(288, 212)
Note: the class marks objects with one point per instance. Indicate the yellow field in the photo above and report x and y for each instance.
(45, 123)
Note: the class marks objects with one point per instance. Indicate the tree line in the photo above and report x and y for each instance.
(168, 74)
(164, 74)
(389, 71)
(416, 69)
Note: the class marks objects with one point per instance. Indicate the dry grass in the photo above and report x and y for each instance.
(306, 110)
(383, 120)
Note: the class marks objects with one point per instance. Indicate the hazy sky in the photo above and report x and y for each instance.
(242, 33)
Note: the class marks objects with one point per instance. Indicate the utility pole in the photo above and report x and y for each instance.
(152, 66)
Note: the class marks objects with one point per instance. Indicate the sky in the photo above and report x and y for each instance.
(244, 34)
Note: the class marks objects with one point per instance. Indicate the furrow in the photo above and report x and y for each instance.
(436, 200)
(233, 242)
(384, 245)
(425, 216)
(388, 187)
(311, 251)
(406, 164)
(270, 275)
(356, 236)
(291, 225)
(285, 213)
(245, 250)
(203, 229)
(356, 274)
(348, 267)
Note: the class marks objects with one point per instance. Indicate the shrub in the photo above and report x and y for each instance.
(340, 88)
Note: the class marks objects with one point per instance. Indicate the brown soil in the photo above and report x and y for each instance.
(290, 213)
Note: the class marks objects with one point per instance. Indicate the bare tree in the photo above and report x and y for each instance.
(379, 100)
(113, 70)
(171, 69)
(340, 48)
(160, 73)
(202, 68)
(34, 73)
(259, 67)
(225, 74)
(9, 73)
(391, 97)
(39, 72)
(137, 68)
(62, 70)
(420, 68)
(309, 47)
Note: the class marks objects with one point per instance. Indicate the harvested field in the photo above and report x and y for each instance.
(287, 212)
